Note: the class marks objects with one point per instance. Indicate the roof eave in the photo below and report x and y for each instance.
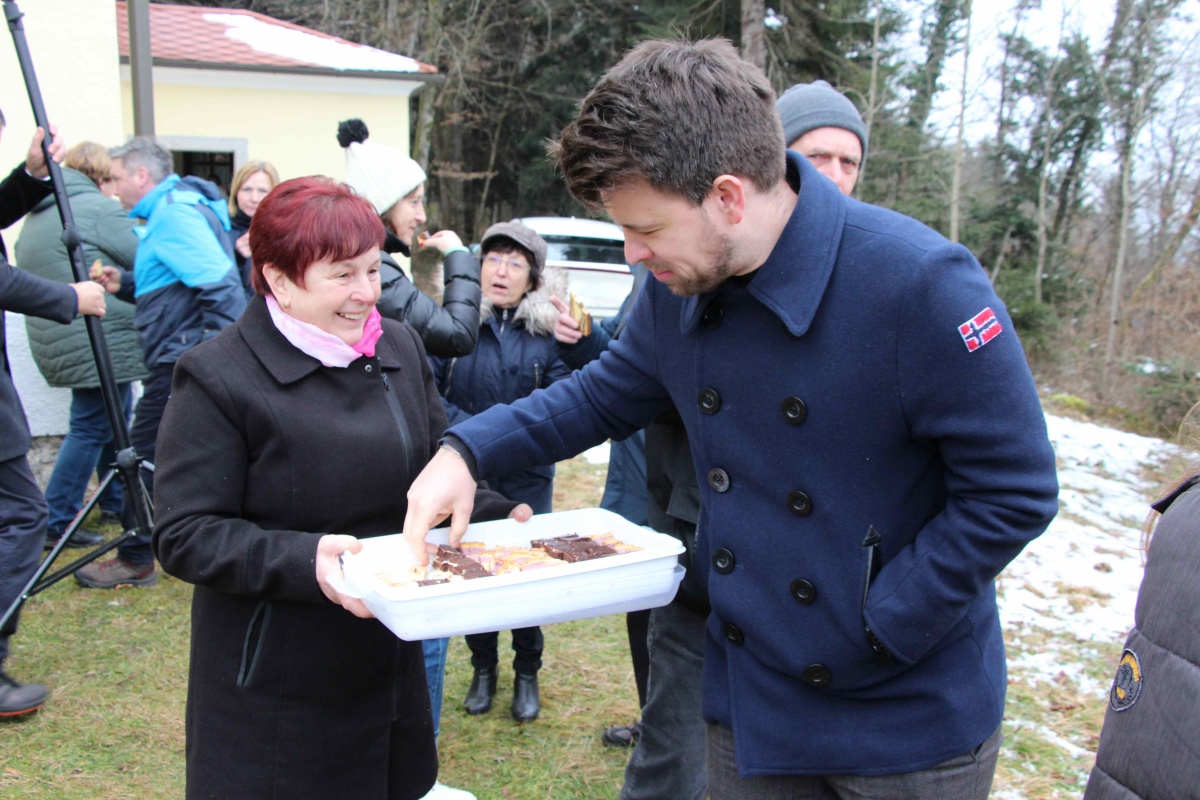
(413, 77)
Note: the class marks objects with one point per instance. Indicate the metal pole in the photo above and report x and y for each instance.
(140, 62)
(128, 461)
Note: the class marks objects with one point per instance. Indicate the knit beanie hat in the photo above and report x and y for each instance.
(381, 174)
(522, 234)
(807, 106)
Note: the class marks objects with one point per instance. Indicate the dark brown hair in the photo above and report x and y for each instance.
(676, 115)
(305, 220)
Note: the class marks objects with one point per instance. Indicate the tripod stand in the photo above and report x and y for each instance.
(128, 464)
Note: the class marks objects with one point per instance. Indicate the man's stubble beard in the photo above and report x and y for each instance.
(717, 250)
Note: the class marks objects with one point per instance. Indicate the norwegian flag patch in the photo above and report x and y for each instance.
(980, 329)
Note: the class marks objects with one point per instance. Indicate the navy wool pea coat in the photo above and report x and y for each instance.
(871, 454)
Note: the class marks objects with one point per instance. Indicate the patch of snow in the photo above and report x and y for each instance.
(1080, 578)
(308, 47)
(597, 455)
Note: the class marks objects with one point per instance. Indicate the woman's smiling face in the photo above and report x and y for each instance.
(336, 296)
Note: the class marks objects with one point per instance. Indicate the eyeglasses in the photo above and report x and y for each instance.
(494, 261)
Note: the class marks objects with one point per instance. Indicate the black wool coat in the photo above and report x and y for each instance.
(261, 451)
(25, 294)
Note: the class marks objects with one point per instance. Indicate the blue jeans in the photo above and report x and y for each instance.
(965, 777)
(22, 534)
(435, 675)
(668, 762)
(87, 448)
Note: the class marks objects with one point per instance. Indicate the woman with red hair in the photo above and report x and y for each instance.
(287, 438)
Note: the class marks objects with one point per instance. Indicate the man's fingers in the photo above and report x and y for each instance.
(562, 307)
(458, 523)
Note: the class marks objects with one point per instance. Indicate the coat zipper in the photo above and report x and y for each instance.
(398, 415)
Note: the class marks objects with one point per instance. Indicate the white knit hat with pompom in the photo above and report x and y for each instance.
(381, 174)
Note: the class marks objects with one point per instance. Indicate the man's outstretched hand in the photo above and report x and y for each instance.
(444, 489)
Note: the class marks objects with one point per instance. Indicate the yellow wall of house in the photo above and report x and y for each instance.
(79, 84)
(294, 130)
(73, 46)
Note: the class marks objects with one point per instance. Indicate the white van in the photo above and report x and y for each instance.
(593, 254)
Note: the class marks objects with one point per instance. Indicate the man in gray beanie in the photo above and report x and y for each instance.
(821, 124)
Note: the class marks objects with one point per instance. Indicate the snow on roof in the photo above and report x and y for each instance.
(235, 38)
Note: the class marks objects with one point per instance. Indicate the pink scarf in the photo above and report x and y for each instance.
(330, 350)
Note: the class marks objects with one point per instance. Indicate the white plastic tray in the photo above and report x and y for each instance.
(646, 578)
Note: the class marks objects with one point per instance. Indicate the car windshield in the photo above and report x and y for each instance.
(580, 248)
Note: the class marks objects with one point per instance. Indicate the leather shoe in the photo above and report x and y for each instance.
(479, 696)
(622, 735)
(525, 705)
(82, 537)
(20, 698)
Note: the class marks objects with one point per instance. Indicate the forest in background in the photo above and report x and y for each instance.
(1081, 202)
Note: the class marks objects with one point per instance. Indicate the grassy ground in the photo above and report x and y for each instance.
(117, 661)
(117, 666)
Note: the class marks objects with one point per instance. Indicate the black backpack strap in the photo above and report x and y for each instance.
(213, 220)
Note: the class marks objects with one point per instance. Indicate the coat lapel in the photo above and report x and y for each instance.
(791, 287)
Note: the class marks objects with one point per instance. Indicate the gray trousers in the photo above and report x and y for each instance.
(668, 761)
(965, 777)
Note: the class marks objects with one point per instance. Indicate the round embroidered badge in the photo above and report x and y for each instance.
(1127, 686)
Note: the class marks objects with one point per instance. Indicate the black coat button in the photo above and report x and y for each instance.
(712, 318)
(709, 400)
(723, 561)
(817, 675)
(804, 591)
(733, 633)
(718, 479)
(794, 410)
(799, 503)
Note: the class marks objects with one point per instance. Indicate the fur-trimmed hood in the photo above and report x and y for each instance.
(535, 310)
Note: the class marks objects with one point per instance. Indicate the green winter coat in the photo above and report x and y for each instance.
(62, 352)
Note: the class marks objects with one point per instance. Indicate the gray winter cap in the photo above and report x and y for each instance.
(522, 234)
(808, 106)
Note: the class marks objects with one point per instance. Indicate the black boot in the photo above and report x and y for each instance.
(479, 696)
(525, 704)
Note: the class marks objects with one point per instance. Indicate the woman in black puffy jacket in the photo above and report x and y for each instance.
(395, 185)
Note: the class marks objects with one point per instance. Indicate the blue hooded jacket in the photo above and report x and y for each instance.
(184, 282)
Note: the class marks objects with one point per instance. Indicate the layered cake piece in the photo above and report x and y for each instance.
(478, 560)
(454, 561)
(572, 547)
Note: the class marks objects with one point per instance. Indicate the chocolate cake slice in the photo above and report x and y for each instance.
(572, 547)
(452, 560)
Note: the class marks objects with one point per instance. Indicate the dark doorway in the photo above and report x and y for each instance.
(215, 167)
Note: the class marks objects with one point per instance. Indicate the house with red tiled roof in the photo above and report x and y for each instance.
(231, 84)
(228, 85)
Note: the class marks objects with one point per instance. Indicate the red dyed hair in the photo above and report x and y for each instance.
(306, 220)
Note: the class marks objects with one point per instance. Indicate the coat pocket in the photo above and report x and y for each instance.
(253, 643)
(874, 563)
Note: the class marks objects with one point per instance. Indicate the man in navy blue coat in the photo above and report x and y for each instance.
(23, 513)
(868, 438)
